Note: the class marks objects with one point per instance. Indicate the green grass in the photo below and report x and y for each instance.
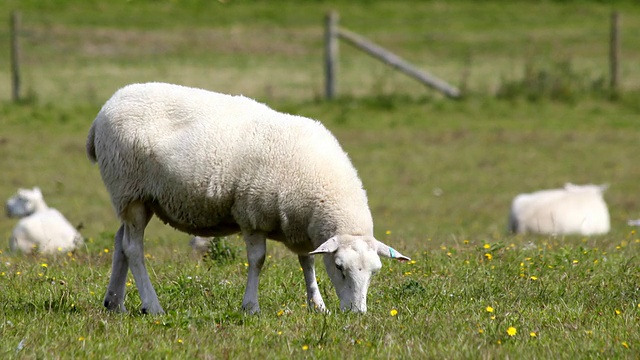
(440, 176)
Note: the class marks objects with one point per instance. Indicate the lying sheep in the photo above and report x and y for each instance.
(212, 165)
(200, 244)
(574, 209)
(41, 228)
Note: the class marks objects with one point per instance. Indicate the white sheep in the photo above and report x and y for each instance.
(574, 209)
(200, 244)
(212, 165)
(41, 228)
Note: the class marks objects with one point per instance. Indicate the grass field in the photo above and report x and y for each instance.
(440, 176)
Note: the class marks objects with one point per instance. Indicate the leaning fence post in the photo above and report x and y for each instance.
(15, 55)
(331, 53)
(614, 52)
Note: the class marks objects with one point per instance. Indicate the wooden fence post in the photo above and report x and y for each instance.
(15, 55)
(614, 52)
(331, 53)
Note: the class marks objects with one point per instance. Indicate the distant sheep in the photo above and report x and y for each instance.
(200, 244)
(212, 165)
(41, 228)
(574, 209)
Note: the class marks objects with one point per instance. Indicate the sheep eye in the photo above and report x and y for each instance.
(339, 267)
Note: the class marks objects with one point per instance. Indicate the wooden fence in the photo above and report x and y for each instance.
(333, 33)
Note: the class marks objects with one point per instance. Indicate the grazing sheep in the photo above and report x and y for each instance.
(574, 209)
(41, 228)
(212, 165)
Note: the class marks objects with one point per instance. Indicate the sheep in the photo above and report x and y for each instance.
(211, 164)
(574, 209)
(41, 228)
(200, 244)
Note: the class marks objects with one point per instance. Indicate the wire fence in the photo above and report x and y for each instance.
(48, 59)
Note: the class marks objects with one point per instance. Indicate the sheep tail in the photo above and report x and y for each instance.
(91, 147)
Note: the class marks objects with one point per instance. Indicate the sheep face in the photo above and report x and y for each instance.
(351, 261)
(24, 203)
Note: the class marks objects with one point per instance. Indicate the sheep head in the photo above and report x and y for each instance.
(25, 203)
(351, 261)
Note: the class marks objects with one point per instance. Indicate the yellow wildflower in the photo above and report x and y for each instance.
(488, 256)
(393, 312)
(533, 334)
(487, 246)
(511, 331)
(534, 278)
(305, 347)
(489, 309)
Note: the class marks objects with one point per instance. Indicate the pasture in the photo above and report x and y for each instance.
(440, 175)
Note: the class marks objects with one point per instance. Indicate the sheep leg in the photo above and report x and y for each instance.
(314, 299)
(139, 216)
(114, 299)
(256, 250)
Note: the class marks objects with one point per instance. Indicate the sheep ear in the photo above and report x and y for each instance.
(37, 191)
(328, 246)
(387, 251)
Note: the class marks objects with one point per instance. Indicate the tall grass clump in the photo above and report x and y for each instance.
(558, 81)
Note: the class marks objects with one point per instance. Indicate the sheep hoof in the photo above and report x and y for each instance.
(114, 306)
(251, 308)
(153, 310)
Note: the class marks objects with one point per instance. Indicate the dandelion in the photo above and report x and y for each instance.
(18, 272)
(281, 312)
(412, 262)
(489, 309)
(534, 278)
(466, 242)
(388, 232)
(488, 256)
(81, 338)
(2, 274)
(305, 347)
(480, 331)
(44, 265)
(180, 341)
(279, 332)
(533, 334)
(575, 262)
(393, 312)
(624, 343)
(246, 264)
(106, 250)
(511, 331)
(618, 312)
